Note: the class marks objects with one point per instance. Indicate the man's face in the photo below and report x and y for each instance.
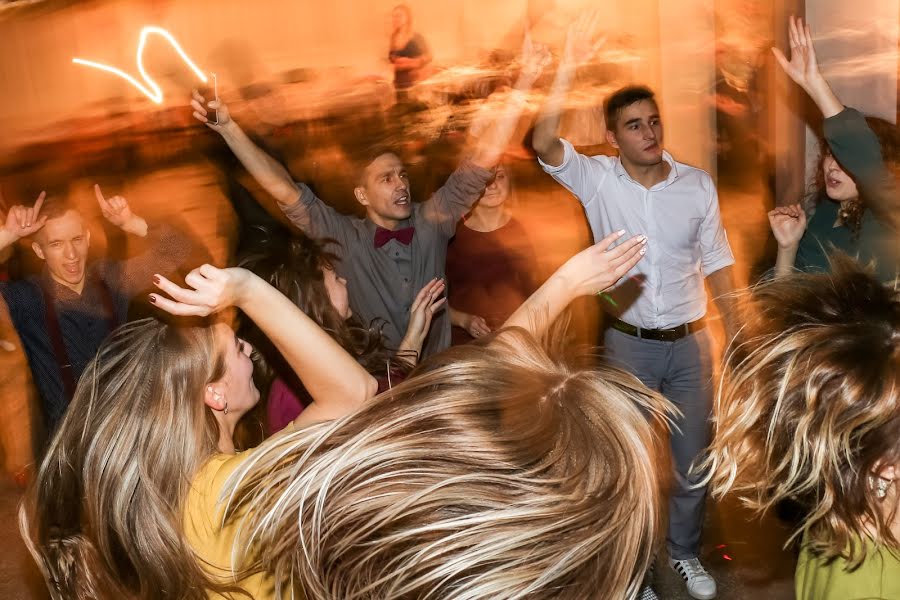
(63, 242)
(638, 134)
(385, 191)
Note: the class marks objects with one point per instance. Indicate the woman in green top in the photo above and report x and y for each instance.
(856, 206)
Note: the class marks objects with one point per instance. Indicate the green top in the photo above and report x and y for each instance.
(877, 578)
(857, 149)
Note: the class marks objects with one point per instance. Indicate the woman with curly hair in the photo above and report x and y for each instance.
(302, 268)
(856, 208)
(810, 412)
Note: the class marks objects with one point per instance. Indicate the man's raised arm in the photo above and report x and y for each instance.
(581, 45)
(267, 171)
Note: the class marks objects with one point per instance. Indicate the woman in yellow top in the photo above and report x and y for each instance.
(810, 411)
(125, 504)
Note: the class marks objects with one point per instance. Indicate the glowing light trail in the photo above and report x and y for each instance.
(151, 90)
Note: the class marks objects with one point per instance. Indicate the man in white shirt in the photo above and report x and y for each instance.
(657, 328)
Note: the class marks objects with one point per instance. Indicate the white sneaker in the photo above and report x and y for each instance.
(700, 584)
(647, 593)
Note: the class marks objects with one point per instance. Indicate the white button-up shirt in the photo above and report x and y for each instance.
(679, 216)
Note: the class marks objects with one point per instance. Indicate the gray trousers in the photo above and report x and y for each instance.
(682, 372)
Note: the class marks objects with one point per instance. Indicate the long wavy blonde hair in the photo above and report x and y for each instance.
(103, 518)
(494, 472)
(810, 406)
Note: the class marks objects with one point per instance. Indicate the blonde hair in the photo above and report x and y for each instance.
(494, 472)
(810, 406)
(103, 518)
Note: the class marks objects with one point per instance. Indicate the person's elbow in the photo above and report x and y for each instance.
(549, 149)
(370, 388)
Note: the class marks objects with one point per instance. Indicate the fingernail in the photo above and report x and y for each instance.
(620, 232)
(643, 239)
(156, 279)
(643, 251)
(152, 299)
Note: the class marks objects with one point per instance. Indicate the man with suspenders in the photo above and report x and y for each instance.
(63, 315)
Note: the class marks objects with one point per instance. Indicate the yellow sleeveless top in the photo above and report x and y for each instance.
(211, 541)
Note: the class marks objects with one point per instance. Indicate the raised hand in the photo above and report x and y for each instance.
(210, 290)
(788, 223)
(598, 267)
(583, 40)
(22, 221)
(802, 67)
(202, 109)
(115, 209)
(535, 57)
(428, 301)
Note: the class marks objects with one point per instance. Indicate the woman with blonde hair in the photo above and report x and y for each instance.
(495, 471)
(125, 504)
(809, 413)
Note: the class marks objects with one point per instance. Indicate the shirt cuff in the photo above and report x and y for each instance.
(717, 264)
(568, 152)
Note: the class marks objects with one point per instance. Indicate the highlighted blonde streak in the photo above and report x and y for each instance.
(151, 89)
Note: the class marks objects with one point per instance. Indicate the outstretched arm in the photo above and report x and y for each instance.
(581, 45)
(337, 383)
(493, 143)
(589, 272)
(267, 171)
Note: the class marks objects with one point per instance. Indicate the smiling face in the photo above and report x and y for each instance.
(385, 191)
(236, 386)
(838, 185)
(63, 242)
(638, 134)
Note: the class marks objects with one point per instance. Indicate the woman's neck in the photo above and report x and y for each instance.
(488, 218)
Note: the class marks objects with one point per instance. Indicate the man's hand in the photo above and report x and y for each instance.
(202, 110)
(788, 223)
(22, 221)
(582, 41)
(117, 211)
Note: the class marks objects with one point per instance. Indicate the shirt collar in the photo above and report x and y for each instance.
(673, 171)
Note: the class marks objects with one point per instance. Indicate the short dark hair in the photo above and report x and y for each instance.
(366, 155)
(623, 98)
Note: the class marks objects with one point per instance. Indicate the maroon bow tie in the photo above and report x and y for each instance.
(383, 236)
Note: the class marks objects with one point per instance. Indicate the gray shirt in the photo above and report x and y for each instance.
(382, 282)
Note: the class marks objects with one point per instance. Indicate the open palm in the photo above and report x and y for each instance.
(802, 66)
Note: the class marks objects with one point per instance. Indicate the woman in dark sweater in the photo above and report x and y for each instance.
(491, 266)
(856, 205)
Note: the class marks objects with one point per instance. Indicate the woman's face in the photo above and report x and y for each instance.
(337, 292)
(497, 192)
(237, 385)
(838, 185)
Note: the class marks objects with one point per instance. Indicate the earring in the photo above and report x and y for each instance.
(225, 410)
(881, 487)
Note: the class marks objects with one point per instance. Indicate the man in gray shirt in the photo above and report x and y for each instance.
(399, 246)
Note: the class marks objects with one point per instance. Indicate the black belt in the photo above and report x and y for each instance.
(660, 335)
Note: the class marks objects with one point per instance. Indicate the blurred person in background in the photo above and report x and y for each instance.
(408, 54)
